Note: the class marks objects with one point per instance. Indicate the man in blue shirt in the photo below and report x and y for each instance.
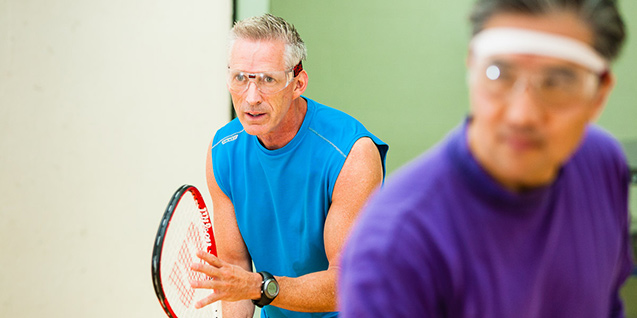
(287, 179)
(522, 211)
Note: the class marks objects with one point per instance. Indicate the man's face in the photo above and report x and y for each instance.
(529, 121)
(261, 114)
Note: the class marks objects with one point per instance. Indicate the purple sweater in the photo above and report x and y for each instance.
(443, 239)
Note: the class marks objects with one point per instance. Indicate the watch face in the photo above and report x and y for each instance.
(271, 288)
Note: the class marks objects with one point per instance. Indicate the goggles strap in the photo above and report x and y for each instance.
(298, 68)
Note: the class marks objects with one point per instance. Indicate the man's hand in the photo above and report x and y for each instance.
(229, 282)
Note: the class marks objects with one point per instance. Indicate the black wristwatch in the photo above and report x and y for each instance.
(269, 290)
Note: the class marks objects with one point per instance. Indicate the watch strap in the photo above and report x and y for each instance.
(264, 300)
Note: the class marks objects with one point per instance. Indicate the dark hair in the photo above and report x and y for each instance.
(601, 15)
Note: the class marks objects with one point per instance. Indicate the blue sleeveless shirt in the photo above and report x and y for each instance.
(281, 197)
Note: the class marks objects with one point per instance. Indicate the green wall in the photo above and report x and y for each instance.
(399, 67)
(248, 8)
(386, 66)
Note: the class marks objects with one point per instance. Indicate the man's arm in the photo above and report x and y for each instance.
(361, 174)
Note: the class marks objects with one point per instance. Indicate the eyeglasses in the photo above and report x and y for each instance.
(555, 86)
(266, 82)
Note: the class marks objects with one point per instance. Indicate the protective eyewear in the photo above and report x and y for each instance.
(266, 82)
(555, 86)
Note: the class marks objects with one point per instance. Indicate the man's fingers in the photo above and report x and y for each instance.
(207, 300)
(207, 284)
(211, 265)
(205, 269)
(210, 259)
(201, 284)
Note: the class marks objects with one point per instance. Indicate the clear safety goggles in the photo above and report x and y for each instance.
(553, 85)
(266, 82)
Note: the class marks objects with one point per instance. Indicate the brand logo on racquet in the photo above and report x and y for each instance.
(205, 218)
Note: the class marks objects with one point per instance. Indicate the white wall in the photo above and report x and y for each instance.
(106, 107)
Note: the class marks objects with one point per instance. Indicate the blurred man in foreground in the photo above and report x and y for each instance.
(522, 210)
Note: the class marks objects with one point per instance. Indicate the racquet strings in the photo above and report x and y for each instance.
(185, 235)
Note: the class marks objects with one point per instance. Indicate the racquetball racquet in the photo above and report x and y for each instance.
(185, 228)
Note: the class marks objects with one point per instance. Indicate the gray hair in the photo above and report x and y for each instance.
(268, 27)
(602, 16)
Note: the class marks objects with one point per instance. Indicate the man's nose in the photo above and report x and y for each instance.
(523, 107)
(253, 95)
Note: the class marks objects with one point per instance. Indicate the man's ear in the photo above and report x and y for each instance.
(606, 85)
(300, 84)
(468, 62)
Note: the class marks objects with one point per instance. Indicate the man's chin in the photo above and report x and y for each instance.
(254, 130)
(526, 175)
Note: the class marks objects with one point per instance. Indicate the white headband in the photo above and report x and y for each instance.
(495, 41)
